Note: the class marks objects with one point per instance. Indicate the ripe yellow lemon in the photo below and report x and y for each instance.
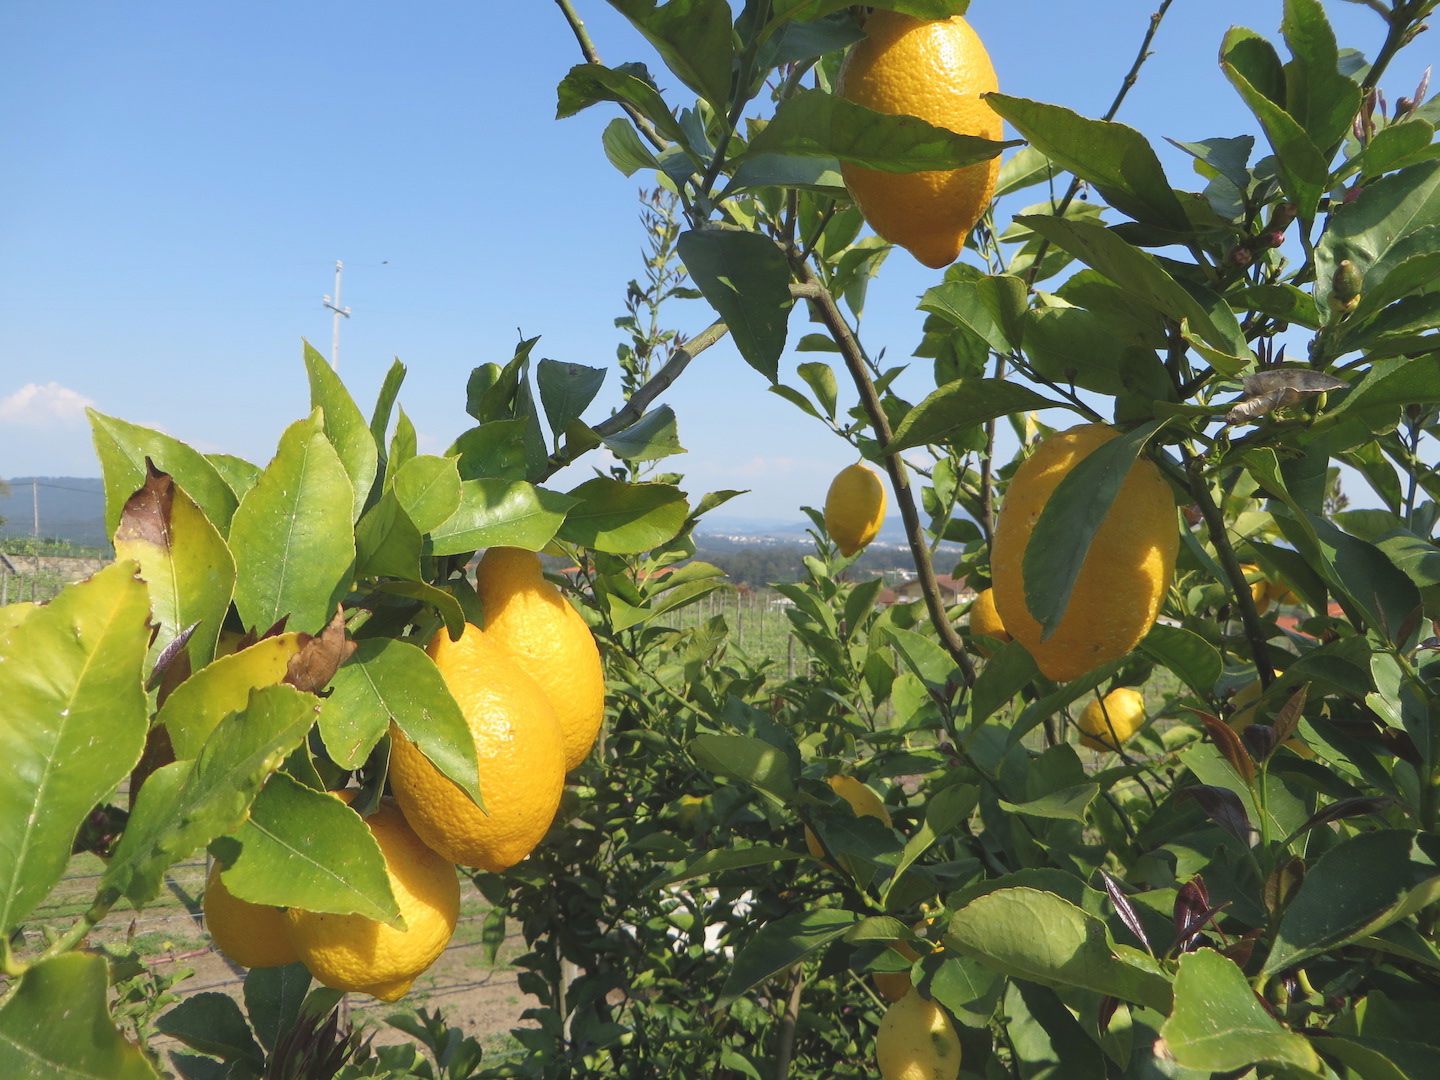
(917, 1041)
(550, 641)
(985, 620)
(935, 70)
(251, 935)
(353, 953)
(1124, 709)
(521, 754)
(854, 507)
(862, 800)
(1126, 571)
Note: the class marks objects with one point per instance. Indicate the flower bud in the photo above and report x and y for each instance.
(1241, 256)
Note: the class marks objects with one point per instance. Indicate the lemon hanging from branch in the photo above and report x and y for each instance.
(854, 508)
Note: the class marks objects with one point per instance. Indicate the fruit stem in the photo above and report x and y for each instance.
(104, 900)
(811, 289)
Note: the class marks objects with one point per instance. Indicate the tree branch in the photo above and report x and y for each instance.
(785, 1043)
(811, 289)
(592, 56)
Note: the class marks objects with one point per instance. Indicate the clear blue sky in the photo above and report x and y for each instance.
(180, 178)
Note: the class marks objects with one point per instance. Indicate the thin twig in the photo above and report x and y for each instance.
(785, 1043)
(641, 398)
(592, 55)
(1131, 78)
(811, 289)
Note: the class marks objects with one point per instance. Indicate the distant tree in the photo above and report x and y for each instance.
(4, 494)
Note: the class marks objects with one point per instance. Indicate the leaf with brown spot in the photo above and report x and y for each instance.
(320, 656)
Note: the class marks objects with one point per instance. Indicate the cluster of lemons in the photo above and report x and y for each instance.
(532, 691)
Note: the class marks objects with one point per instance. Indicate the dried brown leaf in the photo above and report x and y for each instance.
(320, 656)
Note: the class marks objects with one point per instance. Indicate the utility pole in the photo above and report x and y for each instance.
(35, 503)
(338, 310)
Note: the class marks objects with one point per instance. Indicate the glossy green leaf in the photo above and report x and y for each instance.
(1357, 888)
(1322, 99)
(1392, 220)
(1367, 575)
(1009, 670)
(1134, 270)
(818, 174)
(1188, 655)
(1067, 804)
(693, 37)
(625, 149)
(236, 472)
(1074, 347)
(273, 997)
(1060, 541)
(752, 761)
(746, 279)
(1218, 1024)
(385, 401)
(1115, 158)
(293, 535)
(652, 437)
(213, 1024)
(1300, 163)
(1049, 1043)
(493, 450)
(197, 705)
(184, 805)
(305, 848)
(56, 1025)
(345, 427)
(781, 943)
(509, 513)
(428, 488)
(566, 391)
(813, 123)
(387, 680)
(632, 84)
(1034, 935)
(821, 380)
(623, 518)
(721, 859)
(73, 717)
(184, 562)
(122, 449)
(962, 404)
(991, 306)
(387, 542)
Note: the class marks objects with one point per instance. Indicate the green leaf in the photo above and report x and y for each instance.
(631, 84)
(273, 997)
(722, 859)
(821, 380)
(387, 680)
(746, 279)
(1355, 889)
(122, 449)
(385, 401)
(1366, 574)
(1061, 538)
(650, 438)
(387, 543)
(509, 513)
(781, 943)
(184, 805)
(1284, 302)
(813, 123)
(1301, 165)
(932, 665)
(1004, 675)
(1067, 804)
(1188, 655)
(55, 1025)
(944, 811)
(1073, 346)
(1219, 1025)
(1392, 220)
(237, 472)
(1034, 935)
(752, 761)
(1048, 1041)
(1134, 270)
(818, 174)
(197, 705)
(1317, 95)
(73, 717)
(428, 489)
(625, 149)
(1116, 159)
(963, 404)
(493, 450)
(185, 564)
(693, 37)
(566, 391)
(292, 536)
(305, 848)
(213, 1024)
(1380, 1059)
(345, 427)
(992, 307)
(623, 518)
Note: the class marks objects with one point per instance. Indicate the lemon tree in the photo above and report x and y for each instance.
(1239, 881)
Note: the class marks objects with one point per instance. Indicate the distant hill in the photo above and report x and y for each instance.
(69, 508)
